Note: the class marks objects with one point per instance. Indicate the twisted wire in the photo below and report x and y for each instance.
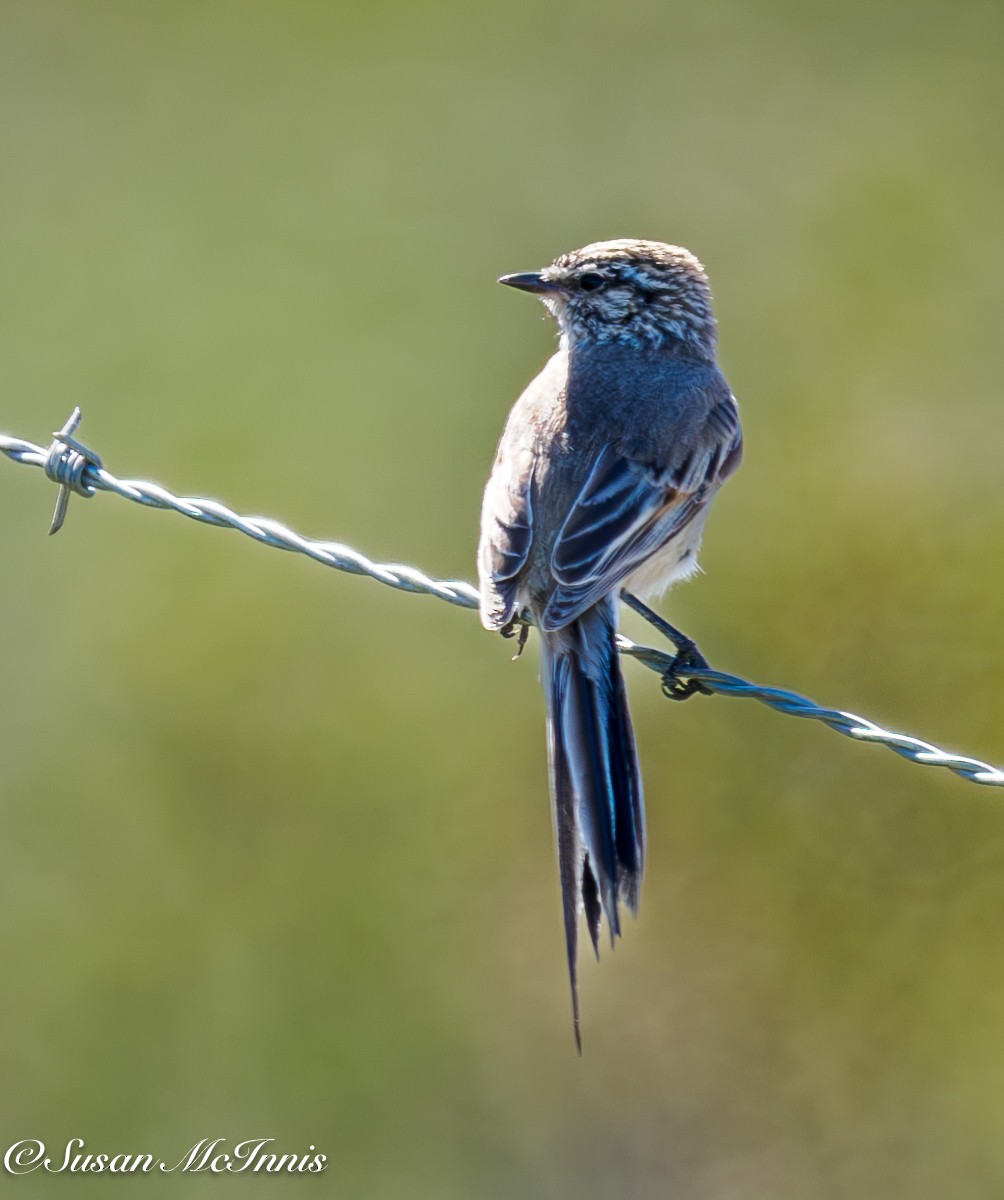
(262, 529)
(70, 464)
(847, 723)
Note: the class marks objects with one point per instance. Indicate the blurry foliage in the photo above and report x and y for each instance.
(275, 853)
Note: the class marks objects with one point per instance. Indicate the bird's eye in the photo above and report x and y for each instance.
(592, 281)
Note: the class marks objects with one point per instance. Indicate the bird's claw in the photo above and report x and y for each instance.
(517, 628)
(687, 658)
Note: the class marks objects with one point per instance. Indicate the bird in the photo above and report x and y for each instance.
(602, 481)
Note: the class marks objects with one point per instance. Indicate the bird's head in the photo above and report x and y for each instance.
(627, 291)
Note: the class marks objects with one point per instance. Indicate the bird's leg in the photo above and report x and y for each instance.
(519, 628)
(686, 659)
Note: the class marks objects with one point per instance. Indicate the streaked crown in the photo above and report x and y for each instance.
(630, 291)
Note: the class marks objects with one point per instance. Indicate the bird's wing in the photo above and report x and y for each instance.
(628, 509)
(506, 534)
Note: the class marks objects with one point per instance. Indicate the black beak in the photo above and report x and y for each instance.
(530, 281)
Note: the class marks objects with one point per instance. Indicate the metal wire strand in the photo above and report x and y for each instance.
(70, 464)
(847, 723)
(93, 476)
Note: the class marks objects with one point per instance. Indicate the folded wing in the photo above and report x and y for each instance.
(506, 535)
(628, 509)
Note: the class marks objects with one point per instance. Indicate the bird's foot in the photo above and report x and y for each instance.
(517, 628)
(687, 658)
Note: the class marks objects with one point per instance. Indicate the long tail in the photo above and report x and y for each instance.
(595, 783)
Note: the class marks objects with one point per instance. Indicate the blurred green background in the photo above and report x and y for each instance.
(275, 851)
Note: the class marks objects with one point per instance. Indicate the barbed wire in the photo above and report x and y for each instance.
(78, 470)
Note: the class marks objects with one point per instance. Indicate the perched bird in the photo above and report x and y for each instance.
(603, 478)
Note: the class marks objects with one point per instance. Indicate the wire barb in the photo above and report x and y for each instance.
(75, 468)
(66, 463)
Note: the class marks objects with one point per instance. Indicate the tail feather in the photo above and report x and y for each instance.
(595, 782)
